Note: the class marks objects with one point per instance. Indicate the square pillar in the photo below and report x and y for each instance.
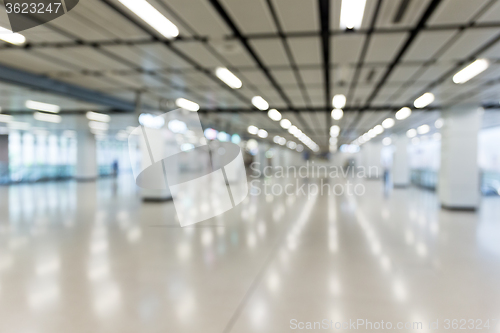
(458, 185)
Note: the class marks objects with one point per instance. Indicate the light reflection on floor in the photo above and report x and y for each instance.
(92, 257)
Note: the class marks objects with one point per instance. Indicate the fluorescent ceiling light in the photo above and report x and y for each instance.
(152, 16)
(333, 141)
(339, 101)
(292, 129)
(379, 129)
(300, 148)
(387, 141)
(98, 117)
(274, 115)
(39, 106)
(476, 68)
(423, 129)
(411, 133)
(439, 123)
(291, 145)
(276, 139)
(98, 126)
(4, 118)
(262, 133)
(388, 123)
(228, 78)
(424, 100)
(252, 129)
(337, 114)
(372, 133)
(403, 113)
(334, 131)
(282, 141)
(285, 123)
(51, 118)
(187, 104)
(351, 14)
(11, 37)
(260, 103)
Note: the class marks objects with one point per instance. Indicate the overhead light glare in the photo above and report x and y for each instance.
(388, 123)
(474, 69)
(252, 129)
(226, 76)
(439, 123)
(339, 101)
(51, 118)
(4, 118)
(11, 37)
(411, 133)
(337, 114)
(403, 113)
(424, 129)
(98, 117)
(274, 114)
(262, 133)
(98, 126)
(424, 100)
(285, 123)
(39, 106)
(187, 104)
(379, 129)
(351, 14)
(152, 16)
(260, 103)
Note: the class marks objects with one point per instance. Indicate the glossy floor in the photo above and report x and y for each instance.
(94, 258)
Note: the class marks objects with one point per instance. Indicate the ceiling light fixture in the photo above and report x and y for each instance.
(152, 16)
(388, 123)
(262, 133)
(424, 129)
(439, 123)
(379, 129)
(476, 68)
(274, 114)
(252, 130)
(424, 100)
(4, 118)
(260, 103)
(403, 113)
(339, 101)
(11, 37)
(187, 104)
(51, 118)
(98, 126)
(337, 114)
(98, 117)
(39, 106)
(411, 133)
(285, 123)
(228, 78)
(351, 14)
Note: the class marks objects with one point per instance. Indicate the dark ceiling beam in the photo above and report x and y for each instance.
(406, 46)
(253, 54)
(43, 83)
(291, 59)
(324, 14)
(362, 56)
(381, 108)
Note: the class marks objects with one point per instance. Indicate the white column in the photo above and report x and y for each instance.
(458, 185)
(86, 158)
(373, 159)
(401, 162)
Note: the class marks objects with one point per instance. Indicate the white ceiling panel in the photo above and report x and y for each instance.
(314, 76)
(433, 72)
(137, 55)
(306, 50)
(271, 51)
(42, 34)
(29, 61)
(468, 43)
(199, 53)
(169, 58)
(233, 53)
(492, 14)
(250, 16)
(403, 73)
(73, 24)
(383, 47)
(456, 11)
(346, 48)
(285, 77)
(290, 10)
(427, 44)
(389, 10)
(256, 78)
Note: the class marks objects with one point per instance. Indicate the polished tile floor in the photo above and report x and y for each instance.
(92, 257)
